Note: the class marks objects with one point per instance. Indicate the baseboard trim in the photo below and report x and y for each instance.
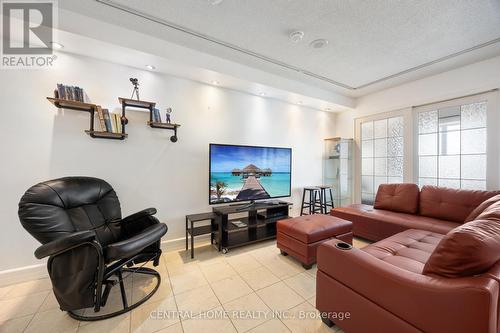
(39, 271)
(23, 274)
(180, 243)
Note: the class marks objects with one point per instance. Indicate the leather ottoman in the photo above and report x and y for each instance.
(301, 236)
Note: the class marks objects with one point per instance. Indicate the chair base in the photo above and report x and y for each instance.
(126, 308)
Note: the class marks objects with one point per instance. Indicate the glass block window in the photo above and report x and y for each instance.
(381, 155)
(452, 146)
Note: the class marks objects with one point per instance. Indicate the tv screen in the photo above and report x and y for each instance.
(243, 173)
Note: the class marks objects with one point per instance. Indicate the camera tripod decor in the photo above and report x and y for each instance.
(135, 83)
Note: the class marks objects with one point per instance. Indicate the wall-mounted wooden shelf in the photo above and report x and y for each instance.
(125, 102)
(156, 124)
(128, 102)
(106, 135)
(92, 109)
(72, 105)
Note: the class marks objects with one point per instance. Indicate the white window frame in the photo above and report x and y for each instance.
(410, 116)
(492, 133)
(407, 146)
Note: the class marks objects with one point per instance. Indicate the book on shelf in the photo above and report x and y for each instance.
(156, 115)
(117, 123)
(71, 93)
(107, 120)
(239, 224)
(113, 122)
(100, 116)
(67, 93)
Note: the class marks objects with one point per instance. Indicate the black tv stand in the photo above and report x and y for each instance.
(259, 223)
(256, 203)
(243, 205)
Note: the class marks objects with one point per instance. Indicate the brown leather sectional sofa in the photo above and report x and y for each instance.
(399, 207)
(435, 267)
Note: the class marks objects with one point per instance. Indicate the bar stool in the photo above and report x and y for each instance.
(314, 203)
(326, 203)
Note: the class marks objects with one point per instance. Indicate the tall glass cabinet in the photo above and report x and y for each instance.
(338, 169)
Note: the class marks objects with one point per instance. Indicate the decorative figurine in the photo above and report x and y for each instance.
(135, 83)
(169, 111)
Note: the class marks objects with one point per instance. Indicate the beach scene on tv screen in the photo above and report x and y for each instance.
(239, 173)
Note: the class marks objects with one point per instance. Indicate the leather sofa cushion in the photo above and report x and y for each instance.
(377, 224)
(367, 287)
(488, 210)
(470, 249)
(398, 198)
(408, 250)
(451, 204)
(314, 228)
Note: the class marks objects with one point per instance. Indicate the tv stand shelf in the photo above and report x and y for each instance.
(260, 219)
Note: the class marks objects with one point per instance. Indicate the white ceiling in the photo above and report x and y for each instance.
(85, 46)
(372, 44)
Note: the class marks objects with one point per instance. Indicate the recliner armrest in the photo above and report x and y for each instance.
(139, 215)
(64, 243)
(129, 247)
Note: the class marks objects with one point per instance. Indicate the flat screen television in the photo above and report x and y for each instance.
(247, 173)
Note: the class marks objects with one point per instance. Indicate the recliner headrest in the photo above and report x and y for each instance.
(43, 209)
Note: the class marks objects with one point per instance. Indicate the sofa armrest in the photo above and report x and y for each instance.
(425, 302)
(64, 243)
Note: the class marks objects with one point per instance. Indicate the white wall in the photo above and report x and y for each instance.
(474, 78)
(38, 142)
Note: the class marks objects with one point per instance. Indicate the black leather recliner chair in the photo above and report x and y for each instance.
(78, 221)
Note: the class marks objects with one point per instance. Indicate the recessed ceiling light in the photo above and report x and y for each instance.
(299, 102)
(296, 36)
(215, 82)
(56, 46)
(150, 67)
(215, 2)
(262, 94)
(319, 43)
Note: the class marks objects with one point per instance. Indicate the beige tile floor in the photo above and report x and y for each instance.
(250, 280)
